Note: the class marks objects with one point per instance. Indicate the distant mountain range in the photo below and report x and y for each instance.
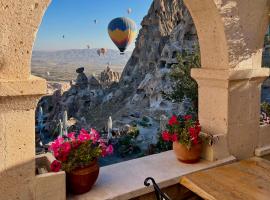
(61, 65)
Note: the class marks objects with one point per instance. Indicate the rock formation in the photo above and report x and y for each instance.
(94, 83)
(108, 77)
(82, 80)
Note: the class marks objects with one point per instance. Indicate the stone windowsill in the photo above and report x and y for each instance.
(125, 180)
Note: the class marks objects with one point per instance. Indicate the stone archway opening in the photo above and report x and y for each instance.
(162, 38)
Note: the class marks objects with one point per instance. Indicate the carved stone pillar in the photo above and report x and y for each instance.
(17, 137)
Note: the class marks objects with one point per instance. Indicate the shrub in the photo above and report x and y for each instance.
(184, 85)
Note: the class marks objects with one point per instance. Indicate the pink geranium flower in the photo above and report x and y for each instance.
(55, 166)
(192, 131)
(187, 117)
(76, 144)
(55, 146)
(109, 150)
(103, 149)
(63, 152)
(174, 137)
(166, 136)
(103, 152)
(83, 131)
(71, 136)
(94, 135)
(84, 136)
(66, 147)
(173, 121)
(195, 140)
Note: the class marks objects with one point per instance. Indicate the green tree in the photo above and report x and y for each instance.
(184, 85)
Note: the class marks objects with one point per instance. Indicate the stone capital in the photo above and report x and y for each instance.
(230, 74)
(21, 94)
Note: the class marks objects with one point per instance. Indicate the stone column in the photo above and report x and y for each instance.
(17, 137)
(229, 106)
(231, 35)
(19, 93)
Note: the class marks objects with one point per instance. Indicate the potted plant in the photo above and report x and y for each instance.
(184, 132)
(77, 155)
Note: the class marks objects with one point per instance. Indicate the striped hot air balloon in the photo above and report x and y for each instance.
(122, 31)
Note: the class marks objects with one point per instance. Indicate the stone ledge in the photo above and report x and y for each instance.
(230, 74)
(262, 151)
(125, 180)
(28, 87)
(50, 185)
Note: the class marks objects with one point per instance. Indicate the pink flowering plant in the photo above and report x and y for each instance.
(78, 150)
(183, 129)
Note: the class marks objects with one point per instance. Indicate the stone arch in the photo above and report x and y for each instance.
(210, 30)
(19, 23)
(230, 32)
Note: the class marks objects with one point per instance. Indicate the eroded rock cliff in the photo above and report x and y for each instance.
(166, 30)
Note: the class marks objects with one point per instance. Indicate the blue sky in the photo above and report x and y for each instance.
(75, 20)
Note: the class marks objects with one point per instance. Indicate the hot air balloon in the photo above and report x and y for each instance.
(122, 32)
(102, 51)
(63, 36)
(129, 10)
(95, 21)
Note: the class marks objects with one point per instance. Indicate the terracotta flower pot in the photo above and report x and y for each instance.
(81, 180)
(185, 155)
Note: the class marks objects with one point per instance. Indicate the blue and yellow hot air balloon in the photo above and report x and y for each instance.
(122, 31)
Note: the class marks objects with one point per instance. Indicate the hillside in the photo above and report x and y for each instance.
(61, 65)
